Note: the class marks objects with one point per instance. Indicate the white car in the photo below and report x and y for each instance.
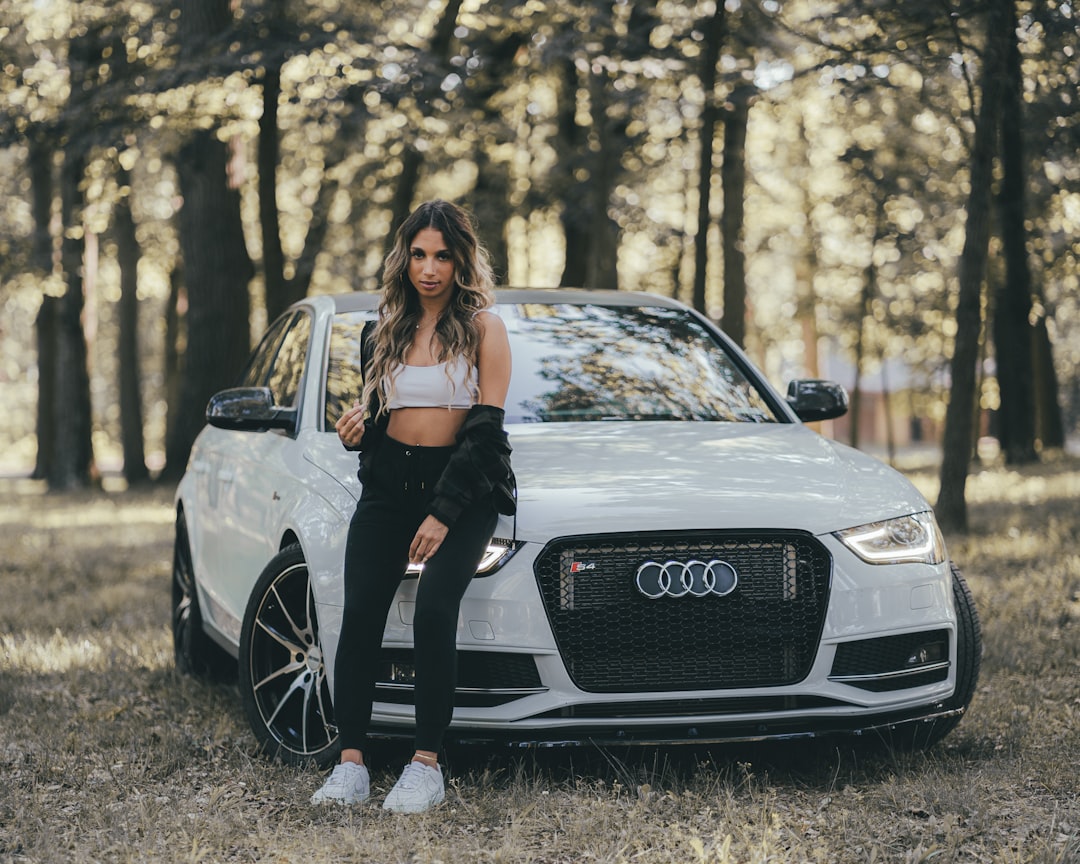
(689, 562)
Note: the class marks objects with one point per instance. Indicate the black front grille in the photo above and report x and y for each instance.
(614, 639)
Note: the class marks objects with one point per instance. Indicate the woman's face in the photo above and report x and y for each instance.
(431, 267)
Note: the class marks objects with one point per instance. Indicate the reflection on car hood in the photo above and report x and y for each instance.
(631, 476)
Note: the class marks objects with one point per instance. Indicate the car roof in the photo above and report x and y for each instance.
(363, 300)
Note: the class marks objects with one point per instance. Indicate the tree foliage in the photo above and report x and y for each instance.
(803, 169)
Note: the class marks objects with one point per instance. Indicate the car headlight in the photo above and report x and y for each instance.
(906, 539)
(498, 552)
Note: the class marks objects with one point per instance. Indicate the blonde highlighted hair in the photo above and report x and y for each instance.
(457, 330)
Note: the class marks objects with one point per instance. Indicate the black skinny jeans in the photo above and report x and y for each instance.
(397, 488)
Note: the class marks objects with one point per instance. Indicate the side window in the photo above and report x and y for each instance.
(344, 377)
(288, 368)
(262, 358)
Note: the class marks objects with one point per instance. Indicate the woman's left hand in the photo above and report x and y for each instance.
(428, 539)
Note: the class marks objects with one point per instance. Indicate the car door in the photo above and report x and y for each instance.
(212, 464)
(258, 468)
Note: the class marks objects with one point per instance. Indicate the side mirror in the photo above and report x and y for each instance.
(249, 409)
(812, 399)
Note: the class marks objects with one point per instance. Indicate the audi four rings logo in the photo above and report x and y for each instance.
(678, 578)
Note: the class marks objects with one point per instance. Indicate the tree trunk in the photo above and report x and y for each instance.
(217, 271)
(41, 200)
(72, 459)
(402, 203)
(217, 268)
(41, 197)
(278, 294)
(951, 506)
(47, 327)
(491, 205)
(733, 175)
(601, 265)
(131, 409)
(1012, 307)
(806, 267)
(175, 339)
(574, 216)
(886, 404)
(866, 300)
(315, 237)
(1049, 428)
(714, 29)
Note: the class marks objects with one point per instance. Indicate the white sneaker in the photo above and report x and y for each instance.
(348, 783)
(419, 788)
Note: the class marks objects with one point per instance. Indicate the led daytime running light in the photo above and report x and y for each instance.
(915, 538)
(494, 556)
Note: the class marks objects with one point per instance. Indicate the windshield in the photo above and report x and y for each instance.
(586, 362)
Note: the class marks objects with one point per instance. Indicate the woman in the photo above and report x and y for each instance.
(434, 462)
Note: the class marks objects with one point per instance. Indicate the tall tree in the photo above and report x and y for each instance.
(71, 463)
(573, 215)
(590, 56)
(217, 268)
(131, 407)
(1052, 37)
(72, 458)
(868, 295)
(41, 260)
(278, 295)
(951, 504)
(714, 28)
(732, 231)
(1012, 303)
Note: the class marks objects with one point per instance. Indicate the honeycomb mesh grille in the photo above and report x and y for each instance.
(613, 638)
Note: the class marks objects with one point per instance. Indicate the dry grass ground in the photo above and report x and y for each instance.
(106, 754)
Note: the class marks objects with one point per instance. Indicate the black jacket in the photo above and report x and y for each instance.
(479, 467)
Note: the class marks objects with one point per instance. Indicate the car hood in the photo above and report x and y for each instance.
(630, 476)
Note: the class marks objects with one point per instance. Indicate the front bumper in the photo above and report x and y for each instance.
(504, 618)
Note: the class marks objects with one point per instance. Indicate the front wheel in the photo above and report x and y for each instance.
(283, 682)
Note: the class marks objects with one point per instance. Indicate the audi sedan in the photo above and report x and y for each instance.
(689, 562)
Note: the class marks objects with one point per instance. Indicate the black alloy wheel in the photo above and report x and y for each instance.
(194, 652)
(283, 682)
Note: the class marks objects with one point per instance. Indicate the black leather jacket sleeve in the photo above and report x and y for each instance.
(479, 467)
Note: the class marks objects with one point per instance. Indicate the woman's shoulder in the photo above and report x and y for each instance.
(489, 318)
(492, 327)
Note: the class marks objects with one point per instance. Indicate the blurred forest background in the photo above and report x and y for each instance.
(884, 193)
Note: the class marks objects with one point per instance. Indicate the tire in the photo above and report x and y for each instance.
(283, 683)
(969, 649)
(194, 652)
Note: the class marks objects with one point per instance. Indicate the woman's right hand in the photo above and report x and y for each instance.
(350, 426)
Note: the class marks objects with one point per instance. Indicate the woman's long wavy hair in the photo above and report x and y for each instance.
(457, 331)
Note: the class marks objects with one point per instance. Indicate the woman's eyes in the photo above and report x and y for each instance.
(418, 254)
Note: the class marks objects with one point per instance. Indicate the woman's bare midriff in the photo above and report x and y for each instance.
(426, 427)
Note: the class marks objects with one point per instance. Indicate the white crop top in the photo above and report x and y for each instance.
(433, 387)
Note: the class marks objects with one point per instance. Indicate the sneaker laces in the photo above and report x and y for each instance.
(414, 775)
(340, 778)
